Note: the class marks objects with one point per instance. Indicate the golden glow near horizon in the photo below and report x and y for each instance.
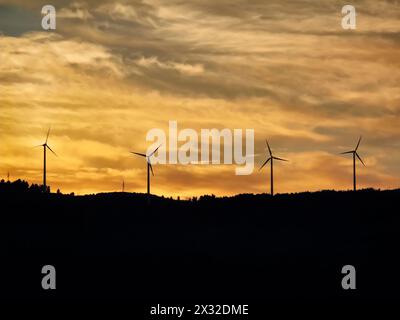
(113, 70)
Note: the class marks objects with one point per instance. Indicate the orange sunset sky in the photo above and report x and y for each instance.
(113, 70)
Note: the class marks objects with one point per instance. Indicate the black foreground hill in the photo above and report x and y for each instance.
(209, 250)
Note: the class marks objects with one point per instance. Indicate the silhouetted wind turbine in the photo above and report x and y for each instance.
(355, 154)
(271, 158)
(149, 167)
(45, 146)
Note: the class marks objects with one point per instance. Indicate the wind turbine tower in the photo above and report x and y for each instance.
(45, 147)
(271, 160)
(149, 167)
(355, 154)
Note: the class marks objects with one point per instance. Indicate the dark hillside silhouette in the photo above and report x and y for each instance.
(243, 248)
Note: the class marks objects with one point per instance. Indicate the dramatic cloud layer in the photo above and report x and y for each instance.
(115, 69)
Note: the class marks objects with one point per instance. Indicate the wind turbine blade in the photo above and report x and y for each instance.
(347, 152)
(151, 168)
(47, 137)
(154, 151)
(139, 154)
(264, 164)
(51, 150)
(358, 144)
(269, 149)
(360, 159)
(280, 159)
(39, 145)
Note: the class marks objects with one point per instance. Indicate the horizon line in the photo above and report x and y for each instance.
(207, 194)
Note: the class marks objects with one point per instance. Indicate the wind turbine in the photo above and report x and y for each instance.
(271, 158)
(149, 167)
(355, 154)
(45, 146)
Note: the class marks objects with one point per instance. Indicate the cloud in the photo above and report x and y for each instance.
(114, 70)
(138, 12)
(183, 68)
(67, 13)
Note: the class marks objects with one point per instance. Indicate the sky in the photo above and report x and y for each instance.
(113, 70)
